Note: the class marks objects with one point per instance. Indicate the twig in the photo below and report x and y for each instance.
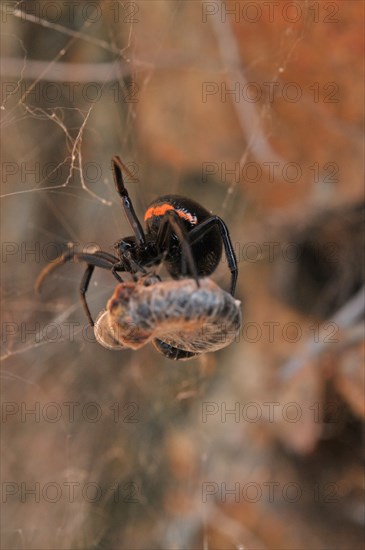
(344, 318)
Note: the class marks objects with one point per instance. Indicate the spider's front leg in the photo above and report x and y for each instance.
(100, 259)
(129, 260)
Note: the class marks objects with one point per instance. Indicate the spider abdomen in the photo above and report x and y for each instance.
(206, 246)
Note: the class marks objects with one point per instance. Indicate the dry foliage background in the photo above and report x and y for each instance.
(157, 467)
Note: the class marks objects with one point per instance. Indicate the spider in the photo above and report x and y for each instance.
(180, 233)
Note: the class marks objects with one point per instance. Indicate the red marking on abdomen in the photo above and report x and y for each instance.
(163, 208)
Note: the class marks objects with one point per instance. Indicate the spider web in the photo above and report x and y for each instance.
(57, 191)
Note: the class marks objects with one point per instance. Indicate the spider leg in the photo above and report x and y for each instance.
(205, 226)
(105, 255)
(118, 168)
(127, 263)
(83, 289)
(115, 273)
(172, 223)
(85, 281)
(98, 259)
(170, 352)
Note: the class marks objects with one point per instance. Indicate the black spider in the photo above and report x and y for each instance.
(179, 232)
